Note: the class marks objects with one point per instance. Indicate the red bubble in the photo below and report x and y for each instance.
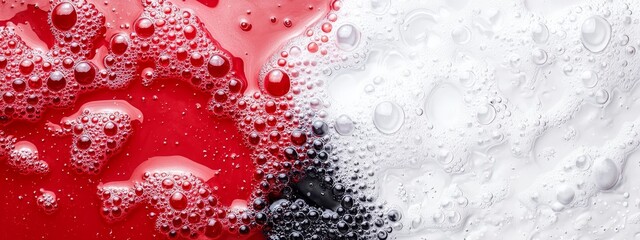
(84, 142)
(119, 44)
(84, 72)
(56, 81)
(277, 83)
(213, 229)
(64, 16)
(218, 66)
(312, 47)
(144, 27)
(26, 66)
(190, 32)
(298, 138)
(178, 201)
(19, 85)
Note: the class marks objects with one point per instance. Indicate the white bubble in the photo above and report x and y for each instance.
(589, 79)
(380, 6)
(416, 30)
(461, 35)
(605, 174)
(583, 162)
(444, 156)
(344, 125)
(486, 114)
(467, 78)
(388, 117)
(539, 56)
(565, 194)
(540, 33)
(347, 37)
(601, 96)
(596, 33)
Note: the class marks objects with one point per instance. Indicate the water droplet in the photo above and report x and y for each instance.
(84, 142)
(380, 6)
(416, 30)
(245, 26)
(119, 44)
(444, 156)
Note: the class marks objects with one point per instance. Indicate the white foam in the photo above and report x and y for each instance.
(519, 117)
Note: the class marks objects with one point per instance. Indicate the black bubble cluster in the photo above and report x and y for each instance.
(320, 205)
(296, 218)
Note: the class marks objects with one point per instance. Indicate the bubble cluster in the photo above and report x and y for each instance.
(285, 128)
(296, 219)
(47, 201)
(99, 130)
(183, 204)
(443, 112)
(37, 80)
(22, 156)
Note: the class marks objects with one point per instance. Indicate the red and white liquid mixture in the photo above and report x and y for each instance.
(319, 119)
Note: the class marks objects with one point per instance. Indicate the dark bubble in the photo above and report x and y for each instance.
(218, 66)
(83, 142)
(56, 81)
(84, 72)
(119, 44)
(319, 128)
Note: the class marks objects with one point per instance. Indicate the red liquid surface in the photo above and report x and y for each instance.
(176, 121)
